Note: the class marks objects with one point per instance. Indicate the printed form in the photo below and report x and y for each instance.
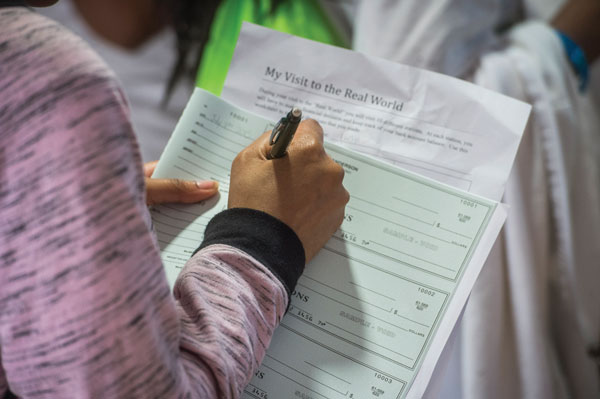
(435, 125)
(373, 309)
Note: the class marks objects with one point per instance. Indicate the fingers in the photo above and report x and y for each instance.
(311, 128)
(160, 191)
(303, 189)
(262, 145)
(149, 168)
(308, 136)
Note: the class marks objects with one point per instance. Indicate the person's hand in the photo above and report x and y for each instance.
(302, 189)
(160, 191)
(578, 19)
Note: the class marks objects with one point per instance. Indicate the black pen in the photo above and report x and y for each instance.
(283, 133)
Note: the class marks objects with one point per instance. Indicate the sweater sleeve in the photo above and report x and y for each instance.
(85, 308)
(229, 305)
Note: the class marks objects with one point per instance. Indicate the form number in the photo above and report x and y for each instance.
(468, 203)
(383, 378)
(426, 291)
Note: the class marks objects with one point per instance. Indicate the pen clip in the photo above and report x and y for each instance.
(276, 131)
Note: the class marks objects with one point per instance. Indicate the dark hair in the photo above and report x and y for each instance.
(192, 20)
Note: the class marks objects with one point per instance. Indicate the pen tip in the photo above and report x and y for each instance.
(296, 112)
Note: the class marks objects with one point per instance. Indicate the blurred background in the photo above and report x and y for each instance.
(531, 328)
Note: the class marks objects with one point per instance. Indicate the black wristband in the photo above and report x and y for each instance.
(262, 236)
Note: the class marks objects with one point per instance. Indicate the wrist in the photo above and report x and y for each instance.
(579, 21)
(262, 236)
(576, 57)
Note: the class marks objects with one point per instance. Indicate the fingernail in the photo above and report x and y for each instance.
(207, 184)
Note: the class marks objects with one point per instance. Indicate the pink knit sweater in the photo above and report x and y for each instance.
(85, 309)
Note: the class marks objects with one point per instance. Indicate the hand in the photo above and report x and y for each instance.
(578, 19)
(159, 191)
(302, 189)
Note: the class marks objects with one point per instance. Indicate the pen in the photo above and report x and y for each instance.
(283, 133)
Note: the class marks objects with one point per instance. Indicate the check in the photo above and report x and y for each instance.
(366, 314)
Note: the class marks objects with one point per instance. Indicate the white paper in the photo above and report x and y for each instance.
(373, 310)
(438, 126)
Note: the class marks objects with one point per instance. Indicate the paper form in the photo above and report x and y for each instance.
(441, 127)
(208, 136)
(368, 314)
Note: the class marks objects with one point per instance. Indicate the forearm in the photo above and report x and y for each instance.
(229, 302)
(580, 20)
(229, 305)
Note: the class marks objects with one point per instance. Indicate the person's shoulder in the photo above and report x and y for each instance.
(63, 116)
(52, 81)
(41, 57)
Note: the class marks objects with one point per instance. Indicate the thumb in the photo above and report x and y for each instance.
(149, 168)
(160, 191)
